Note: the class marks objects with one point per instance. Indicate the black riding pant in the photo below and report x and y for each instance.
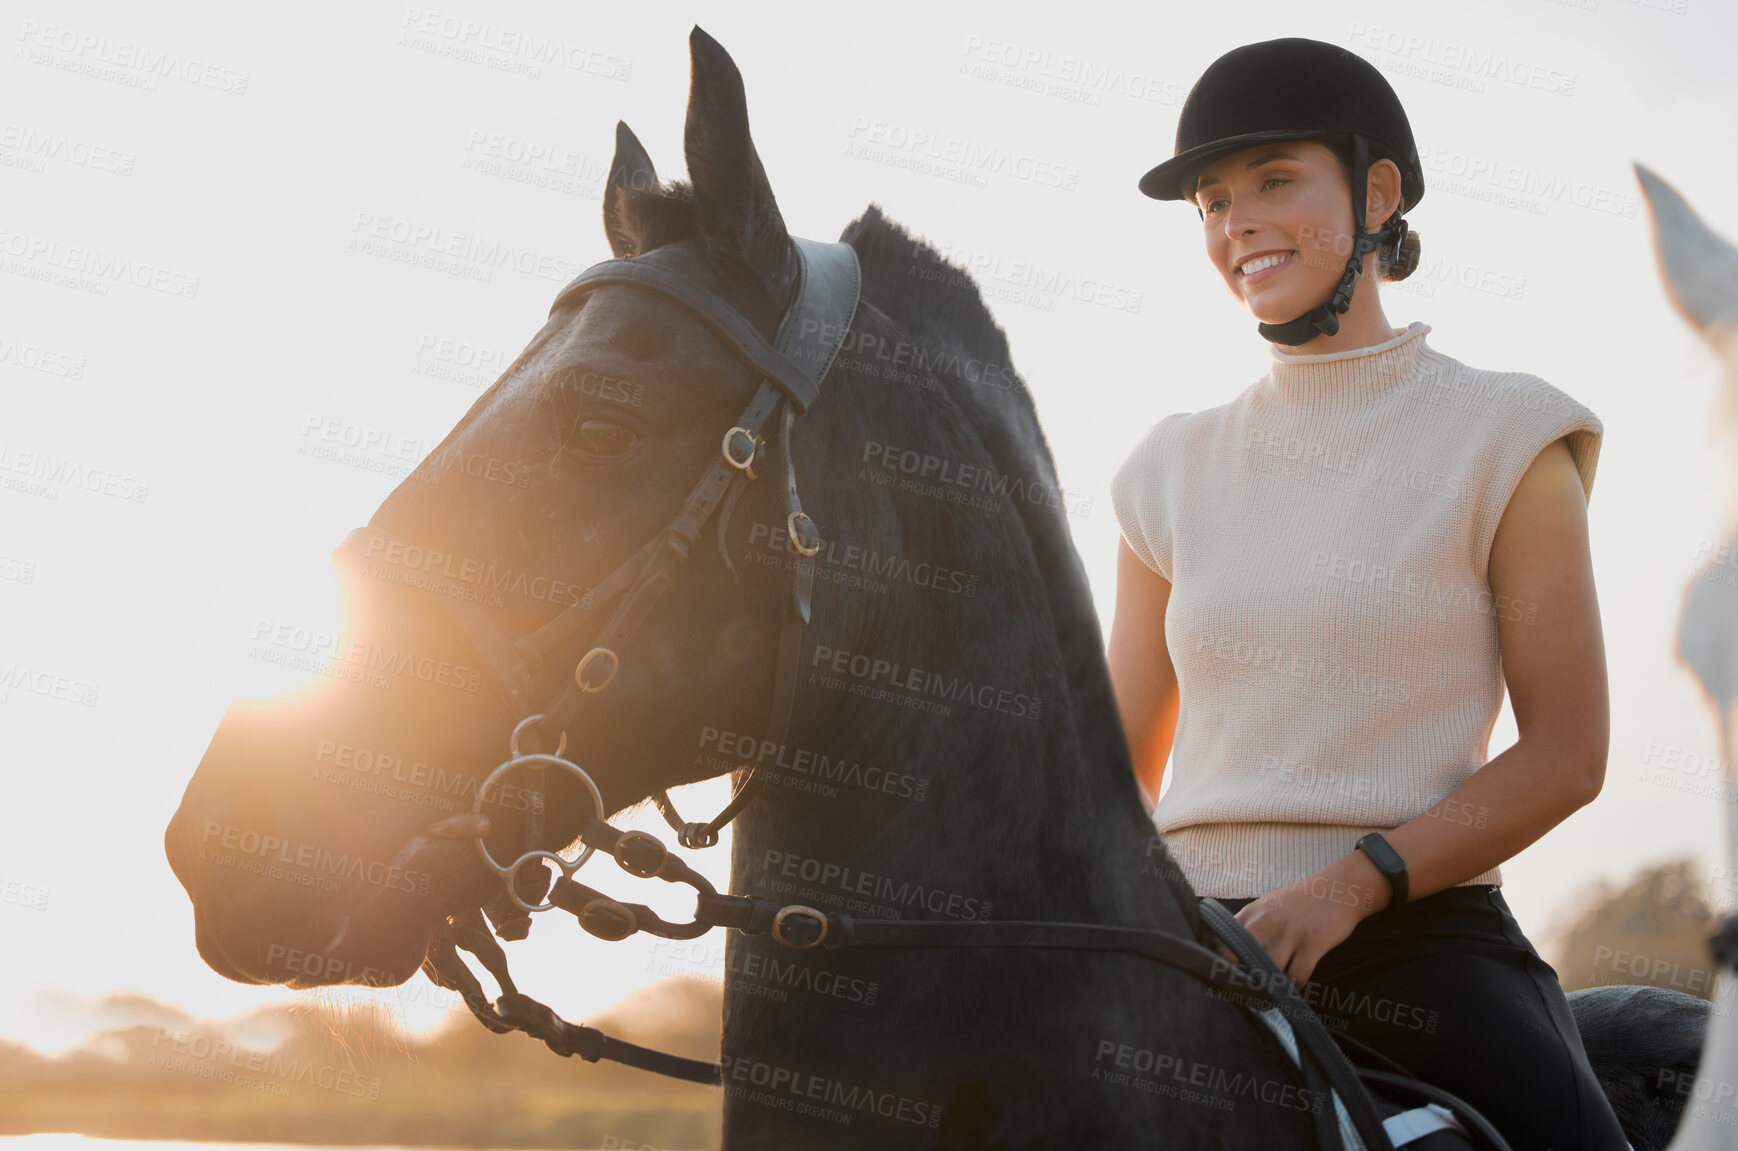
(1449, 988)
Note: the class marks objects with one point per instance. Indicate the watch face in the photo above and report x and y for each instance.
(1383, 855)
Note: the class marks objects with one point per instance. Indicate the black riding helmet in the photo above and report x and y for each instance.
(1297, 89)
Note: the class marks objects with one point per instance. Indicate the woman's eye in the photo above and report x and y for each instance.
(1213, 205)
(603, 438)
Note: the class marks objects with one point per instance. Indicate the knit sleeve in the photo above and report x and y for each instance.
(1143, 497)
(1534, 416)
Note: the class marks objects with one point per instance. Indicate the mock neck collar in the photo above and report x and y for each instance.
(1349, 377)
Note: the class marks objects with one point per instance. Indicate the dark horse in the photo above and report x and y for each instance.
(954, 752)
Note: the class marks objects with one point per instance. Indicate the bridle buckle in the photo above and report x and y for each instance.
(807, 541)
(744, 459)
(798, 909)
(585, 661)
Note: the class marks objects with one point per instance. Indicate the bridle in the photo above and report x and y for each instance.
(810, 334)
(790, 370)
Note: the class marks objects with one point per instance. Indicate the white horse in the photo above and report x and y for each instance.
(1701, 274)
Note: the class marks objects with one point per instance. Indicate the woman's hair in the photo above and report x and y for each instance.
(1387, 267)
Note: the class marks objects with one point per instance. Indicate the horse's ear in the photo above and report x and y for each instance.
(630, 171)
(1700, 268)
(738, 215)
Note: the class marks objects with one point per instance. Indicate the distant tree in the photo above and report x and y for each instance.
(1652, 931)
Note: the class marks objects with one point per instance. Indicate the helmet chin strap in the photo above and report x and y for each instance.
(1324, 319)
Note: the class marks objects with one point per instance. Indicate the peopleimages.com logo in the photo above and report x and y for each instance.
(365, 658)
(309, 864)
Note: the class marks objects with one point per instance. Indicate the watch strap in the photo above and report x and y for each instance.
(1388, 862)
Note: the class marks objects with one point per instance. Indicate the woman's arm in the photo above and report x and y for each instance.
(1140, 668)
(1554, 664)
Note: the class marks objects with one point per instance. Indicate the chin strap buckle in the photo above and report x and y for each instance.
(1324, 319)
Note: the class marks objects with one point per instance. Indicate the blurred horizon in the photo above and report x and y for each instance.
(320, 1071)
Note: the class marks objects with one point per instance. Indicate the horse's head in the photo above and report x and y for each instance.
(1700, 271)
(323, 842)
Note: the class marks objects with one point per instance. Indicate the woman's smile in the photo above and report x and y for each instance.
(1264, 265)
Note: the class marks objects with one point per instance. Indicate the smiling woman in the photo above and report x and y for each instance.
(1394, 261)
(1323, 586)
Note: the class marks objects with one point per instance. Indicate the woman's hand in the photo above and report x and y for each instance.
(1303, 921)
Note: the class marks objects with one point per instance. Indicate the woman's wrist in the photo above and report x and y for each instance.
(1362, 883)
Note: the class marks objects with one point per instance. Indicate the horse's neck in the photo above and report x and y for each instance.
(1707, 636)
(1042, 811)
(1034, 817)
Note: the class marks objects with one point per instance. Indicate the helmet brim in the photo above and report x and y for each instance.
(1164, 182)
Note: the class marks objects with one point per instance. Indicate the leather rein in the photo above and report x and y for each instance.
(790, 370)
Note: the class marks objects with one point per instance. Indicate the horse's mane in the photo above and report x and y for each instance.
(940, 305)
(938, 302)
(936, 307)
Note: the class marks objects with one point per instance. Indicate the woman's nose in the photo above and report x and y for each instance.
(1240, 220)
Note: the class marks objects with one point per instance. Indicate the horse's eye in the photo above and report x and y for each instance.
(604, 438)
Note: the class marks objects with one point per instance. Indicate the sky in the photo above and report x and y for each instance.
(261, 173)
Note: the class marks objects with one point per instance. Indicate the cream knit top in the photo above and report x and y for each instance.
(1327, 536)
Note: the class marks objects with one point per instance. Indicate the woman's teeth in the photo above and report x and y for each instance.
(1263, 262)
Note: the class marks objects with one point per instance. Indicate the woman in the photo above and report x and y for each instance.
(1363, 546)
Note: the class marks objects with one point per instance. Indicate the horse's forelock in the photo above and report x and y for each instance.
(670, 213)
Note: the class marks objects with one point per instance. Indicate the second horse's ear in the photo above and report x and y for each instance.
(631, 173)
(1699, 267)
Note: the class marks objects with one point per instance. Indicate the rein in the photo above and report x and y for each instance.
(1351, 1121)
(790, 371)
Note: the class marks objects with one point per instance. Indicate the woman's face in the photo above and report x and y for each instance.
(1278, 223)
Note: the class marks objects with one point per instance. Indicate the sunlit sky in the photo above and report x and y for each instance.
(278, 137)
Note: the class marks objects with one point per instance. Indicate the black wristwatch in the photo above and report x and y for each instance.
(1388, 862)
